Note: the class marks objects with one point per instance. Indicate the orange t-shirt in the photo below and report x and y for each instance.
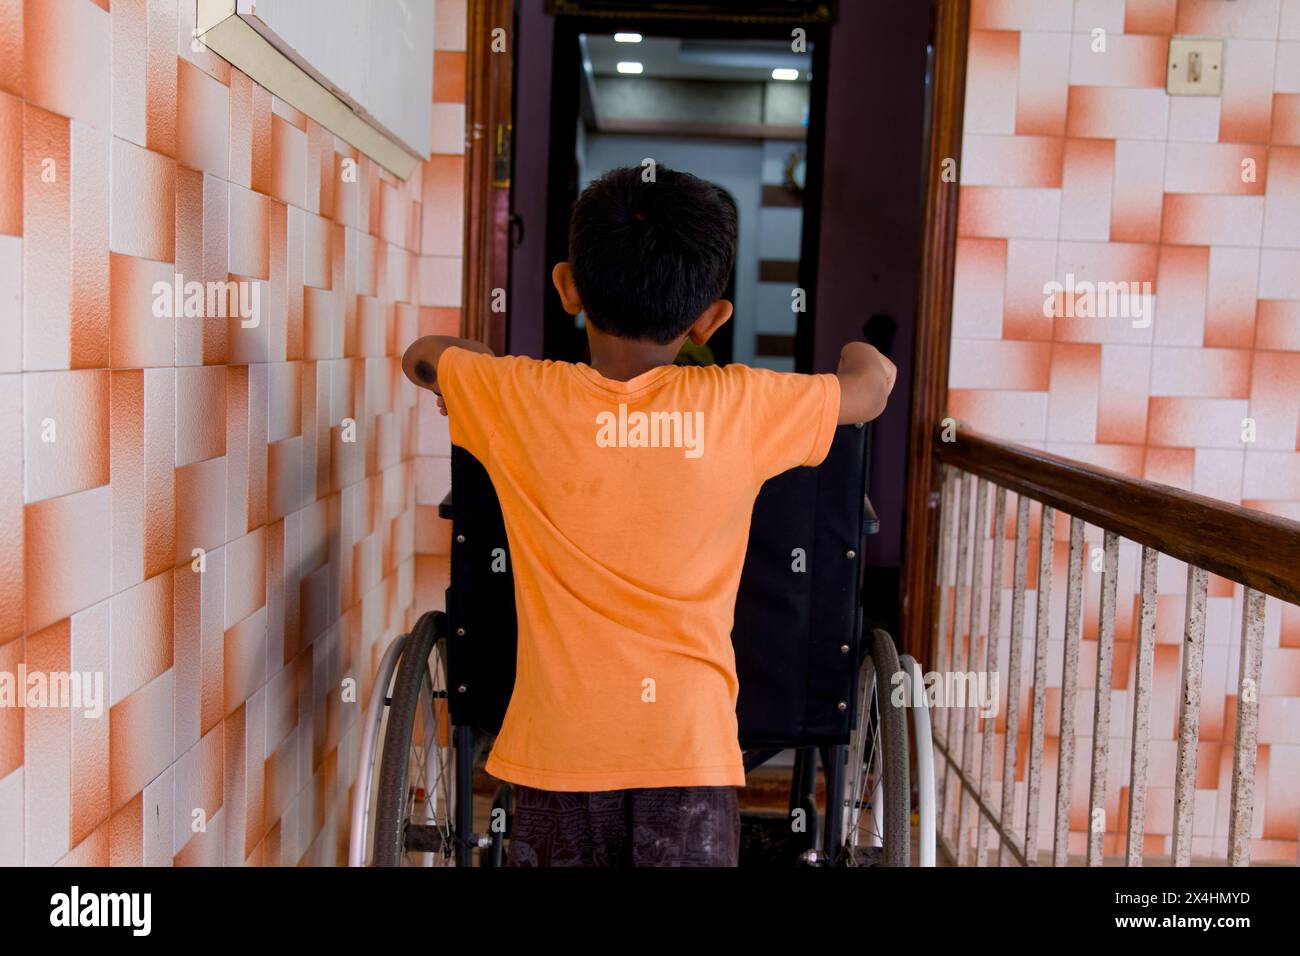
(627, 509)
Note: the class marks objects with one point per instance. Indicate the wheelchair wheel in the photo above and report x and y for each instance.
(877, 822)
(415, 805)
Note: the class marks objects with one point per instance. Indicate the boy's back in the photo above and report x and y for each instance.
(627, 506)
(627, 487)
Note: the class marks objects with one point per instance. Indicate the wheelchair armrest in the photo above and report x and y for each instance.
(870, 520)
(444, 507)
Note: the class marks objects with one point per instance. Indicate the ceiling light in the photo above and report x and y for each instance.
(628, 66)
(627, 38)
(781, 73)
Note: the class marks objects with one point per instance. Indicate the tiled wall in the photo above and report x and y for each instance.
(1076, 161)
(130, 440)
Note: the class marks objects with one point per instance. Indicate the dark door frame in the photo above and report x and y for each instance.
(950, 26)
(488, 103)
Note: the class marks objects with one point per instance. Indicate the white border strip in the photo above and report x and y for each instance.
(231, 37)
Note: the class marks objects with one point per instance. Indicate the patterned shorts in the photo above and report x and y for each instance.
(661, 826)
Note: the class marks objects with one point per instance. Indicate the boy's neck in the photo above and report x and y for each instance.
(624, 359)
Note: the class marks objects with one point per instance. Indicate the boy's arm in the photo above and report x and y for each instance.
(866, 379)
(420, 363)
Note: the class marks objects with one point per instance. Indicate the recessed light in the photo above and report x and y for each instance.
(781, 73)
(628, 66)
(627, 38)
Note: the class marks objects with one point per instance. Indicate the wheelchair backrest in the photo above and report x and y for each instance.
(798, 611)
(798, 616)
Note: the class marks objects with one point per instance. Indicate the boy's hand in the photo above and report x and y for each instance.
(891, 370)
(866, 379)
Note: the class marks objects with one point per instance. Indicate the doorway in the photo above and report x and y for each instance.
(739, 104)
(860, 214)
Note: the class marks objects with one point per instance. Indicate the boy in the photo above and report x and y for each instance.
(627, 487)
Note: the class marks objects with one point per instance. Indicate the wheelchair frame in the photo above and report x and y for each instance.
(827, 506)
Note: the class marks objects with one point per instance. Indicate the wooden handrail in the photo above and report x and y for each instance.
(1250, 547)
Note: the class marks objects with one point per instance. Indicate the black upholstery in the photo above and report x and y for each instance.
(790, 624)
(480, 601)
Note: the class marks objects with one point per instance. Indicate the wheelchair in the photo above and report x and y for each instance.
(813, 680)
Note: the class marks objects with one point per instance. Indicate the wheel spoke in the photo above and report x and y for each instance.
(862, 766)
(858, 760)
(866, 782)
(430, 767)
(870, 790)
(444, 761)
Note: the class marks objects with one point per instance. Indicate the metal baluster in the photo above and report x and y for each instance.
(1144, 671)
(950, 492)
(963, 589)
(1012, 728)
(944, 569)
(967, 800)
(1189, 716)
(1036, 710)
(1101, 711)
(1241, 814)
(990, 662)
(1069, 693)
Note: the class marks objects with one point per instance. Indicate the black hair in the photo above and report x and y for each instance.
(650, 254)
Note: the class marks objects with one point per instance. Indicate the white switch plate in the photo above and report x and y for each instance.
(1195, 67)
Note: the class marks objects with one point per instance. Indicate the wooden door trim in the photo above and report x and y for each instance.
(934, 321)
(489, 75)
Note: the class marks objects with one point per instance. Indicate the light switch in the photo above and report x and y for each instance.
(1195, 66)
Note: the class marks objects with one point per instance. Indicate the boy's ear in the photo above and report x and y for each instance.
(710, 320)
(562, 278)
